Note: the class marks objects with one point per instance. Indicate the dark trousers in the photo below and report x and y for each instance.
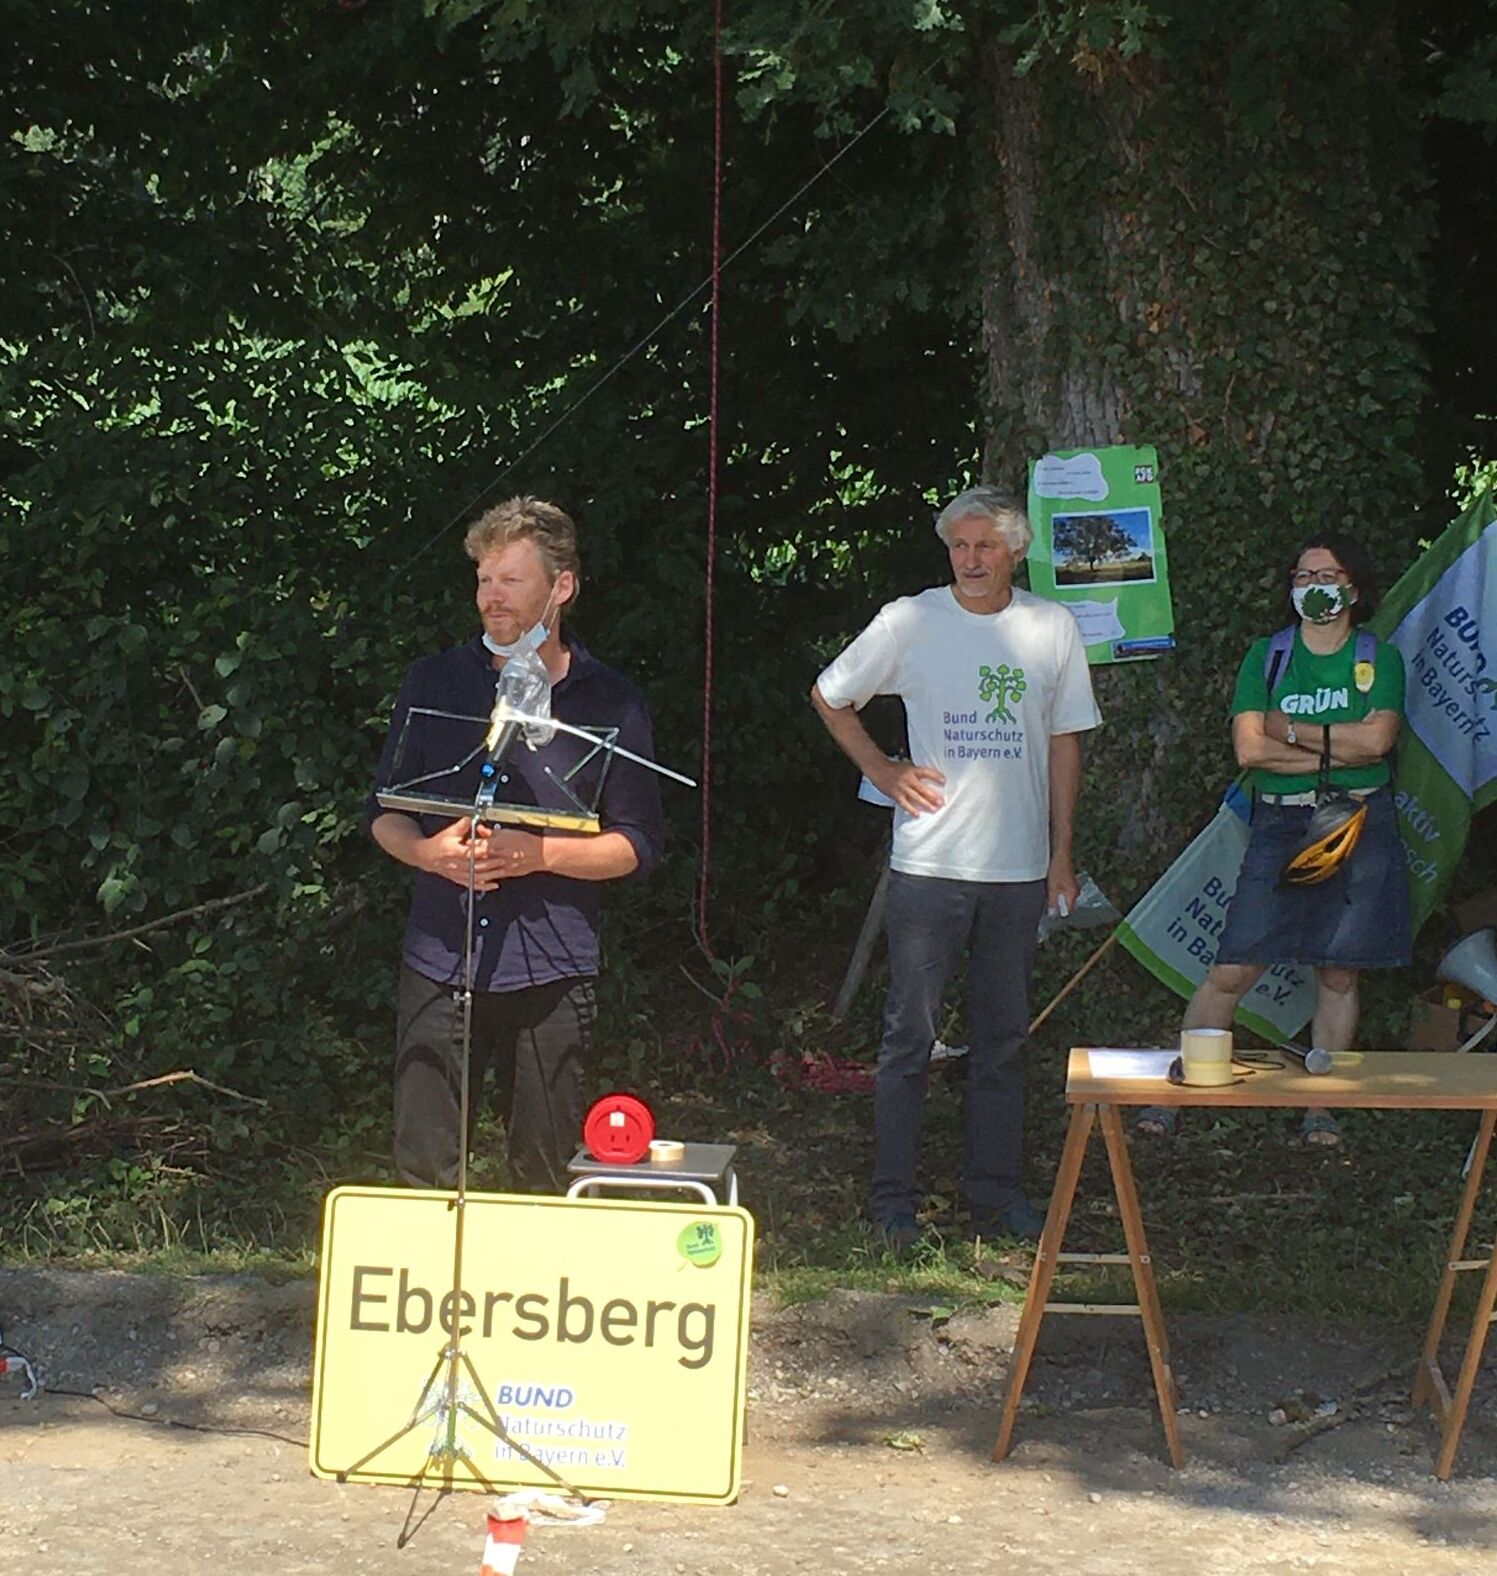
(929, 922)
(538, 1040)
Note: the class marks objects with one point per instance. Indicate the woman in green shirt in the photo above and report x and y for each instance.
(1325, 690)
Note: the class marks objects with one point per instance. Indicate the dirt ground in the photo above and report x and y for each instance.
(871, 1424)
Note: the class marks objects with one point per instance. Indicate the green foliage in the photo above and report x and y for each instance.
(304, 284)
(1473, 479)
(1462, 58)
(266, 349)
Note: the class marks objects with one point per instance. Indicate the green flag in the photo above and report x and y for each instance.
(1442, 615)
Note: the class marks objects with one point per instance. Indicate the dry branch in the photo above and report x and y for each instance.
(185, 1075)
(1361, 1393)
(50, 1147)
(41, 950)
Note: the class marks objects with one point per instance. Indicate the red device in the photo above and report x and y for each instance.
(618, 1129)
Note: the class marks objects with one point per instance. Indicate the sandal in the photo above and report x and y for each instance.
(1321, 1129)
(1156, 1121)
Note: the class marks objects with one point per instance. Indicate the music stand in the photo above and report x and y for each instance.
(444, 1399)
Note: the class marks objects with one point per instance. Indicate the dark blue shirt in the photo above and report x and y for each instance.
(534, 928)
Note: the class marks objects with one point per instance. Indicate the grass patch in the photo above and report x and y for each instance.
(1242, 1218)
(953, 1272)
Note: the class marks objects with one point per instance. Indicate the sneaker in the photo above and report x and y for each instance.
(1019, 1219)
(901, 1234)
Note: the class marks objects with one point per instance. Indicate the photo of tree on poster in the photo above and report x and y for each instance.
(1105, 547)
(1101, 548)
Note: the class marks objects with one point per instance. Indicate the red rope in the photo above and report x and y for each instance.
(712, 431)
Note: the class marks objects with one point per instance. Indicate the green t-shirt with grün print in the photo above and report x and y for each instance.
(1320, 690)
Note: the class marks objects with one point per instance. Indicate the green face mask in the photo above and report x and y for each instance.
(1320, 604)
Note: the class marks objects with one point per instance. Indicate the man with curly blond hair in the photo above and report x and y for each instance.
(536, 892)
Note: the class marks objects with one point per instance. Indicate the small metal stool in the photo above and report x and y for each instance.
(706, 1170)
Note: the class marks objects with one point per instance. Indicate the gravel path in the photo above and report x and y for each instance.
(870, 1427)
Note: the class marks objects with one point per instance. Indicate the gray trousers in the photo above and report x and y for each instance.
(539, 1042)
(930, 922)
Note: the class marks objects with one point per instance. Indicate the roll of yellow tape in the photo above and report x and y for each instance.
(667, 1151)
(1207, 1056)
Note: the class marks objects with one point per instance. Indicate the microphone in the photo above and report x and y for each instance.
(523, 691)
(511, 694)
(1316, 1061)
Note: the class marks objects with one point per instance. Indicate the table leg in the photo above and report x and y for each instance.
(1052, 1238)
(1429, 1383)
(1429, 1360)
(1460, 1399)
(1143, 1277)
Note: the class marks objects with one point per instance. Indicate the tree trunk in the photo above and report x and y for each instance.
(1042, 386)
(1229, 272)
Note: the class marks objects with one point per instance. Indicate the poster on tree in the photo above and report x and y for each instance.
(1099, 548)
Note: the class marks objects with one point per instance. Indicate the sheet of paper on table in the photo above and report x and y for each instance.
(1112, 1062)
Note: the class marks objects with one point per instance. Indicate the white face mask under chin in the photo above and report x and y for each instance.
(532, 640)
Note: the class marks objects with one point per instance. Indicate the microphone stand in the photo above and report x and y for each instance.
(446, 1399)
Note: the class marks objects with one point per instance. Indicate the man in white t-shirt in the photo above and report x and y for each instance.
(997, 692)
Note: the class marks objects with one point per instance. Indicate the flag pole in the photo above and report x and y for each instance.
(1074, 981)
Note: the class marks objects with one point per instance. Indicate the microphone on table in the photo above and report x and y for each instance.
(1316, 1061)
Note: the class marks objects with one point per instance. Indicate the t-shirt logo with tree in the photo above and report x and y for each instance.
(1000, 685)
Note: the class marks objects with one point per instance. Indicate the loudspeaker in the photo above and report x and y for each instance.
(1472, 962)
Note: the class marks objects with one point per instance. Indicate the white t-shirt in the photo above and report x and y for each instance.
(983, 693)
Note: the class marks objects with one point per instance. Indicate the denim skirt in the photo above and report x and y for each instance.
(1358, 919)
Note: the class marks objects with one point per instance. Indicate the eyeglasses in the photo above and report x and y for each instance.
(1319, 577)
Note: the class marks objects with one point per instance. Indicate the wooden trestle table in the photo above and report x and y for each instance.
(1369, 1080)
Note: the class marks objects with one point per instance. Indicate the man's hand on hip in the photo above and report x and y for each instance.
(915, 789)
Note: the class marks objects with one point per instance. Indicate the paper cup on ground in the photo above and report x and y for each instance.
(1207, 1057)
